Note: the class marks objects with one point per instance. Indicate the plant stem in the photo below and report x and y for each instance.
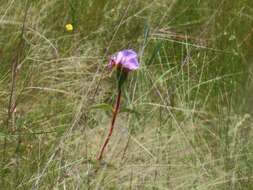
(115, 112)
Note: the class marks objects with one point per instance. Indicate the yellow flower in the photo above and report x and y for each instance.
(69, 27)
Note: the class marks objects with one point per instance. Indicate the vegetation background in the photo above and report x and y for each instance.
(186, 117)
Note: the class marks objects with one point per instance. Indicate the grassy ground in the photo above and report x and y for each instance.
(185, 120)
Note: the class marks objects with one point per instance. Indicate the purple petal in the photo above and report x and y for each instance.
(131, 64)
(126, 59)
(129, 53)
(119, 57)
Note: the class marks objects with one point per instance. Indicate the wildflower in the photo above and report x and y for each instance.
(126, 59)
(69, 27)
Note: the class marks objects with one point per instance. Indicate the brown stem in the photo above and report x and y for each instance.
(115, 112)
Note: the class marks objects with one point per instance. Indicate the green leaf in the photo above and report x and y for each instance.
(105, 107)
(131, 111)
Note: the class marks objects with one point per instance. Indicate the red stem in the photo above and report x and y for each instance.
(115, 112)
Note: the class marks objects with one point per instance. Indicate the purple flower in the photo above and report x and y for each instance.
(127, 59)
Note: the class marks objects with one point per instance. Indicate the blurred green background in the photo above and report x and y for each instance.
(186, 114)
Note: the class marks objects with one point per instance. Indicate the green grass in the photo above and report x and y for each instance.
(185, 120)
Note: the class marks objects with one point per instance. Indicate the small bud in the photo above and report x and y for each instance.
(69, 27)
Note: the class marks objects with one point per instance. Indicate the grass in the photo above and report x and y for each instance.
(185, 120)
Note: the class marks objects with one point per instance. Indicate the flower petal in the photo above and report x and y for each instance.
(126, 59)
(129, 53)
(131, 64)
